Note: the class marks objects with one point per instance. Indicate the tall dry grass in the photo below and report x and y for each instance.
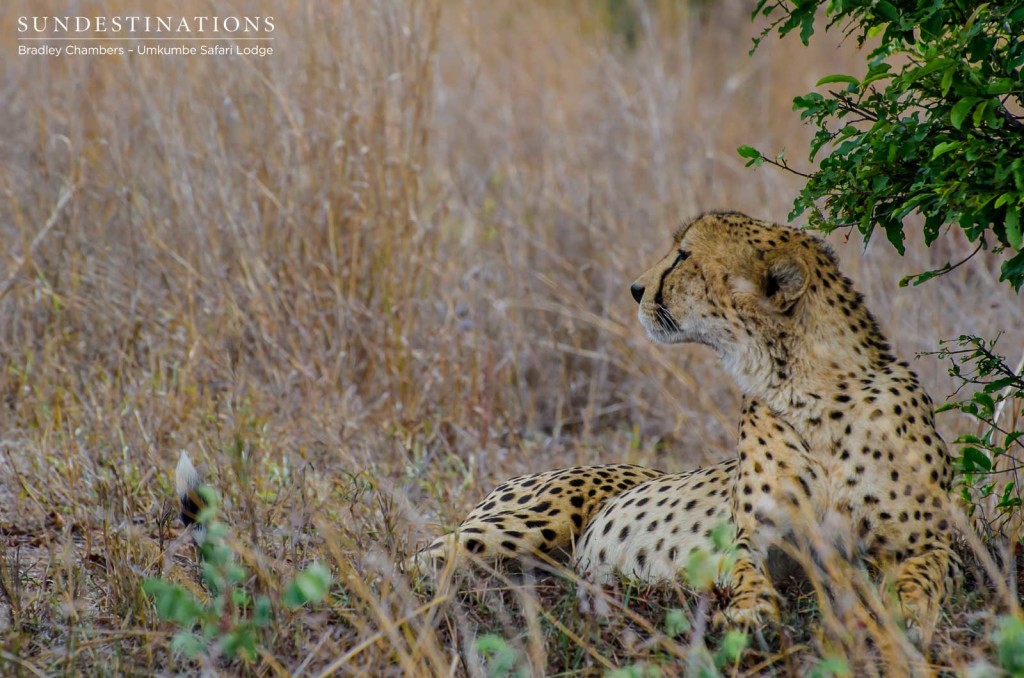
(366, 278)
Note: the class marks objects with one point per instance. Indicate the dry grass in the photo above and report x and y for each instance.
(366, 279)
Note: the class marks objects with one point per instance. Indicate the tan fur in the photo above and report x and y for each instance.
(800, 343)
(837, 436)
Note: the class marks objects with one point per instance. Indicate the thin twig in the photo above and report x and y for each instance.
(43, 232)
(783, 165)
(1004, 396)
(949, 268)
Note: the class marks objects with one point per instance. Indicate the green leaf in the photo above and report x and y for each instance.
(239, 642)
(881, 75)
(240, 597)
(916, 279)
(961, 110)
(944, 147)
(186, 643)
(985, 402)
(748, 152)
(701, 569)
(1009, 641)
(1003, 86)
(733, 645)
(261, 611)
(838, 77)
(173, 603)
(894, 232)
(754, 155)
(887, 11)
(502, 657)
(1013, 235)
(975, 460)
(829, 668)
(1009, 498)
(676, 623)
(806, 27)
(1012, 270)
(979, 112)
(309, 586)
(947, 80)
(930, 67)
(723, 537)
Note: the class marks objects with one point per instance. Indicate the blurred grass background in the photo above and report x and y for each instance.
(368, 277)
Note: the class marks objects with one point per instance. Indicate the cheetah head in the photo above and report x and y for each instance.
(729, 282)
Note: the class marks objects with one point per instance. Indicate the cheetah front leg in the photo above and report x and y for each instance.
(776, 492)
(754, 598)
(921, 587)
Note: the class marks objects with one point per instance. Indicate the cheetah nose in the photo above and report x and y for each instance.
(637, 290)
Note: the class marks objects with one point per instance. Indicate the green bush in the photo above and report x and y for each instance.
(929, 128)
(233, 621)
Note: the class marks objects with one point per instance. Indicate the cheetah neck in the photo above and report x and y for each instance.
(808, 376)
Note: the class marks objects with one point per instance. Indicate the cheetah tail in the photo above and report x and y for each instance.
(187, 483)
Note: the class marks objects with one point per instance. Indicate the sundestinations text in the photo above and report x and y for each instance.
(55, 25)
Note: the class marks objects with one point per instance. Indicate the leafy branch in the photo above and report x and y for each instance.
(926, 130)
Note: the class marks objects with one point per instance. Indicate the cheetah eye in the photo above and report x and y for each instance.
(681, 256)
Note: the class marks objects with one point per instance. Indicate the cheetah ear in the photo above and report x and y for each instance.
(785, 281)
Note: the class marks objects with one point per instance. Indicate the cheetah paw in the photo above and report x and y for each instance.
(919, 617)
(919, 631)
(746, 614)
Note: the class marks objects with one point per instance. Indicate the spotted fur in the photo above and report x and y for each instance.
(837, 436)
(649, 532)
(865, 464)
(540, 515)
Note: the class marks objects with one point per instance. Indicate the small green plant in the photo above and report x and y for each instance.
(676, 623)
(995, 396)
(232, 621)
(705, 664)
(703, 567)
(1009, 640)
(502, 659)
(830, 667)
(729, 652)
(635, 671)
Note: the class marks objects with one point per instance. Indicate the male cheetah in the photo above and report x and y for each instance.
(837, 431)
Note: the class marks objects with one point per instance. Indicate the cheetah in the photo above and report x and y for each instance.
(538, 516)
(838, 437)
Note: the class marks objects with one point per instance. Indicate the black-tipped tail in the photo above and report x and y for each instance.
(187, 483)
